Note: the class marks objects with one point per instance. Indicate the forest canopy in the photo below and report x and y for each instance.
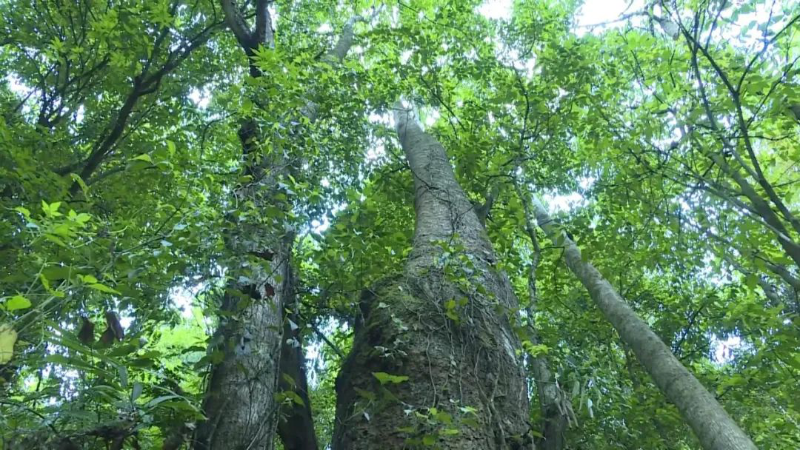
(415, 224)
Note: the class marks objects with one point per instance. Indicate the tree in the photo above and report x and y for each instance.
(210, 215)
(713, 426)
(451, 360)
(256, 342)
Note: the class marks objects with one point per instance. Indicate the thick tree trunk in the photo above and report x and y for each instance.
(257, 344)
(712, 425)
(443, 325)
(240, 407)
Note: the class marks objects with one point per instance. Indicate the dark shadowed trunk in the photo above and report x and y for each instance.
(712, 425)
(295, 425)
(435, 361)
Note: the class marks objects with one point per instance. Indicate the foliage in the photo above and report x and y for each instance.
(667, 144)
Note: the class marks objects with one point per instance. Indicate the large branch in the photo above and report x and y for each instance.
(237, 24)
(334, 56)
(142, 85)
(759, 205)
(263, 34)
(345, 42)
(734, 92)
(763, 209)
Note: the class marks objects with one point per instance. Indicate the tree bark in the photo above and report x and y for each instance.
(709, 421)
(443, 325)
(257, 343)
(240, 407)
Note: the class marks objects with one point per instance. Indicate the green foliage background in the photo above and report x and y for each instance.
(613, 117)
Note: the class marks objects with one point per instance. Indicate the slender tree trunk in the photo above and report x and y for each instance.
(555, 414)
(712, 425)
(435, 361)
(296, 425)
(257, 344)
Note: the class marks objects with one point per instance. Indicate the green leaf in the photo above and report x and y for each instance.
(51, 210)
(77, 179)
(143, 157)
(23, 211)
(16, 302)
(158, 400)
(88, 279)
(366, 394)
(384, 378)
(104, 288)
(123, 376)
(136, 391)
(55, 240)
(8, 337)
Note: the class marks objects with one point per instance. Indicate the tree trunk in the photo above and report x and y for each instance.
(257, 343)
(296, 425)
(435, 361)
(555, 405)
(711, 424)
(554, 413)
(239, 405)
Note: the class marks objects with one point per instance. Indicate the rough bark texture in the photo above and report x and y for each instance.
(443, 324)
(257, 343)
(240, 404)
(710, 423)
